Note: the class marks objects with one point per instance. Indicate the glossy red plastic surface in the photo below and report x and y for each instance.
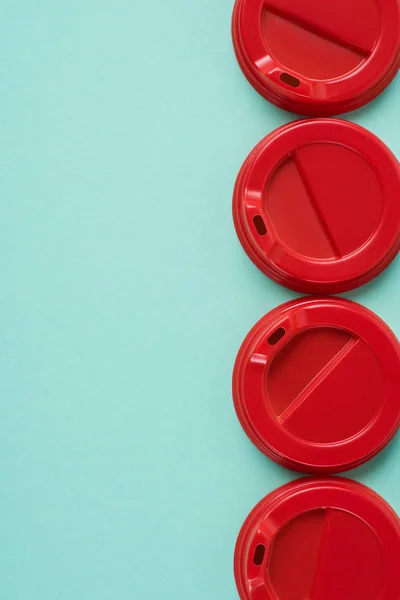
(319, 539)
(316, 385)
(316, 206)
(318, 58)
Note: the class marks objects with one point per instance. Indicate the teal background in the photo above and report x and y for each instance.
(125, 295)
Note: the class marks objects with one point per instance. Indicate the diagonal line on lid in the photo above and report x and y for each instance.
(314, 383)
(316, 30)
(303, 176)
(323, 544)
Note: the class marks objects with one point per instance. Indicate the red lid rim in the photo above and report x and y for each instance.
(379, 254)
(304, 108)
(300, 455)
(311, 486)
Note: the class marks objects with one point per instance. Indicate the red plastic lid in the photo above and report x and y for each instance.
(319, 539)
(316, 57)
(316, 385)
(316, 206)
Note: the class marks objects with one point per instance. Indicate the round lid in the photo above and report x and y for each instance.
(316, 206)
(316, 385)
(318, 58)
(319, 539)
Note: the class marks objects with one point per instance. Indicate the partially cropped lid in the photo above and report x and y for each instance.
(318, 58)
(316, 385)
(321, 540)
(316, 205)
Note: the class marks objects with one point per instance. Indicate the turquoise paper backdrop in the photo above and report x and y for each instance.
(125, 295)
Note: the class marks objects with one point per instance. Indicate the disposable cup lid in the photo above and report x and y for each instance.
(318, 58)
(316, 385)
(319, 539)
(316, 206)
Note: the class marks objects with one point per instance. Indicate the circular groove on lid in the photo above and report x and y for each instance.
(319, 539)
(314, 58)
(316, 207)
(316, 385)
